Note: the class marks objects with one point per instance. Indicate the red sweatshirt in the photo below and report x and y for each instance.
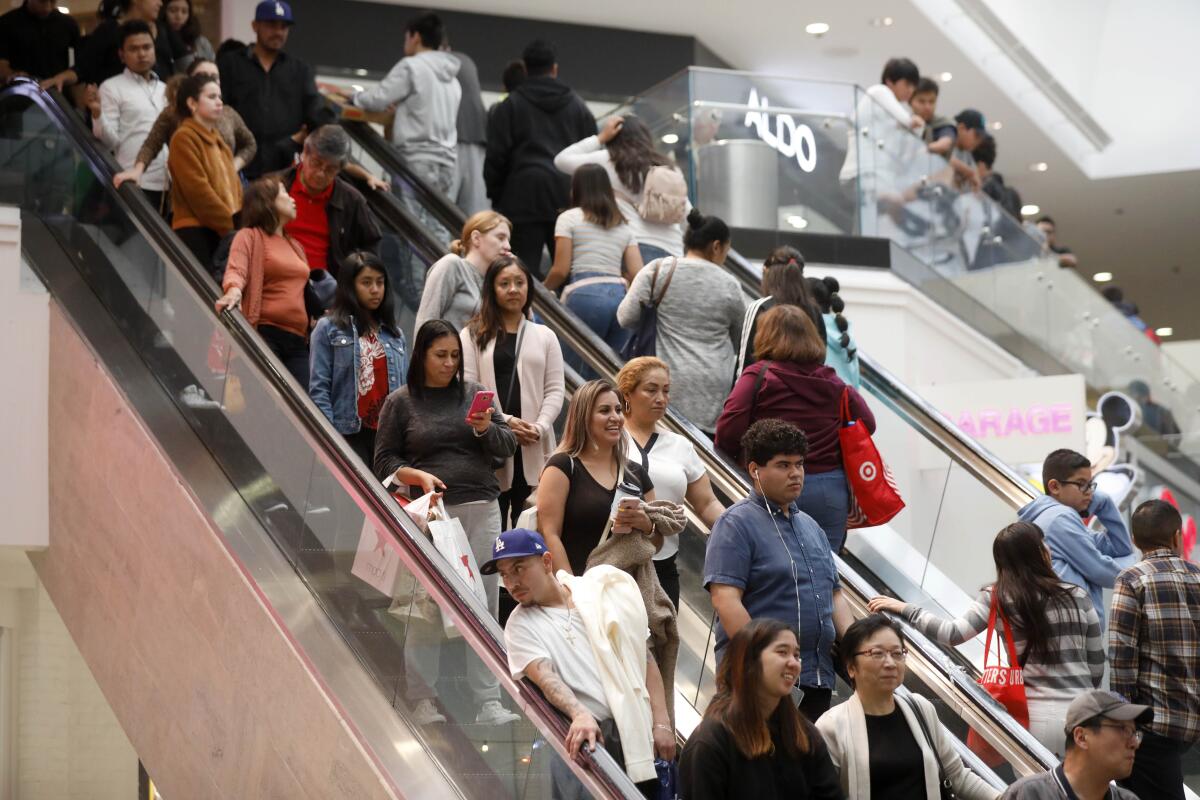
(807, 395)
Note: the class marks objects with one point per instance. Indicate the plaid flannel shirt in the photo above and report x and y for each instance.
(1154, 641)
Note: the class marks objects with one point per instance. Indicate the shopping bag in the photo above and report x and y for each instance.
(874, 498)
(376, 562)
(451, 542)
(1005, 684)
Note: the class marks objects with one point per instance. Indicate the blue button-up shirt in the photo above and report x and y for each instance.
(784, 568)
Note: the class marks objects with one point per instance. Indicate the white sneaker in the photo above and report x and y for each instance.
(426, 713)
(492, 713)
(193, 396)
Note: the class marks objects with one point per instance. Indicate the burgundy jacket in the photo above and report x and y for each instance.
(807, 395)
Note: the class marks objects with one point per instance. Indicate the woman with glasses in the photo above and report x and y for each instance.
(1056, 631)
(885, 746)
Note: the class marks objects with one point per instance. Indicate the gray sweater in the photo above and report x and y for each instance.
(1045, 786)
(432, 434)
(699, 327)
(452, 292)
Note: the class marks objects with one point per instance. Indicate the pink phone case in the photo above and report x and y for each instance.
(482, 402)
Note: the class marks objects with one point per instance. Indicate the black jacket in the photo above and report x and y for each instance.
(1008, 198)
(525, 133)
(712, 768)
(274, 105)
(351, 224)
(98, 59)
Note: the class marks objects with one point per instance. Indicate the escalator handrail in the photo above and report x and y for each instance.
(468, 612)
(976, 704)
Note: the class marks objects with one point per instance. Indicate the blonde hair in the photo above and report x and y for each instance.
(576, 437)
(483, 221)
(634, 372)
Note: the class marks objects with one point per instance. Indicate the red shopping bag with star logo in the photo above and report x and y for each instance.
(874, 498)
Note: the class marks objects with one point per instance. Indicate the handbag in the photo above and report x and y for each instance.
(945, 786)
(644, 341)
(874, 498)
(1005, 684)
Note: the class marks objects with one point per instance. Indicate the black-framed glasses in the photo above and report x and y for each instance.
(878, 654)
(1084, 486)
(1134, 735)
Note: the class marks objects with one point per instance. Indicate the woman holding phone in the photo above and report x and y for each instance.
(522, 362)
(438, 433)
(583, 484)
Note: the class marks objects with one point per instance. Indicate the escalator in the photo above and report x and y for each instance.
(206, 524)
(944, 675)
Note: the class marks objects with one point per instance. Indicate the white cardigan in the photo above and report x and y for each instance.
(844, 728)
(540, 370)
(614, 616)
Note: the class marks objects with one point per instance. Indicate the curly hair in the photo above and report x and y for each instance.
(768, 438)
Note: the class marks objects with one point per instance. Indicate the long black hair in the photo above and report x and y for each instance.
(488, 322)
(427, 334)
(190, 31)
(1028, 586)
(633, 154)
(825, 292)
(592, 191)
(345, 301)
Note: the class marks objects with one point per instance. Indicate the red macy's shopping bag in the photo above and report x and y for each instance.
(874, 498)
(1005, 684)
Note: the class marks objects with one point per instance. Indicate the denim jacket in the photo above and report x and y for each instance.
(333, 370)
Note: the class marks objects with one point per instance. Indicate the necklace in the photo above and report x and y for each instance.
(568, 630)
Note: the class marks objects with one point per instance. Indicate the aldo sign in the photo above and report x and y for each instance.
(791, 139)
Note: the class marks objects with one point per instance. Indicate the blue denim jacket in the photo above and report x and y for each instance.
(333, 366)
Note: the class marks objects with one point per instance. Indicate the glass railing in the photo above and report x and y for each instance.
(775, 156)
(940, 674)
(312, 501)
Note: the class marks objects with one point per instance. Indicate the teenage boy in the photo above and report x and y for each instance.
(1154, 648)
(423, 87)
(970, 128)
(767, 558)
(940, 133)
(127, 105)
(1102, 738)
(1080, 556)
(993, 182)
(548, 638)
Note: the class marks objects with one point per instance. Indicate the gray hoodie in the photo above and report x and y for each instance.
(425, 91)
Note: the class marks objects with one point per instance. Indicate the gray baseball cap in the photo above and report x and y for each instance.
(1098, 703)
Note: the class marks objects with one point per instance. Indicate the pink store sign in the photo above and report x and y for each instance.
(1035, 420)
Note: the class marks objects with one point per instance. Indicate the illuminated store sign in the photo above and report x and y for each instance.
(791, 139)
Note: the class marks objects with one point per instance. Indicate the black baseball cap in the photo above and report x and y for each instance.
(971, 118)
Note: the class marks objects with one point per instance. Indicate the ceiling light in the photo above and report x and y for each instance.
(997, 125)
(946, 77)
(798, 222)
(817, 28)
(1029, 210)
(356, 87)
(484, 748)
(64, 10)
(670, 138)
(1102, 277)
(1168, 331)
(1039, 166)
(360, 72)
(882, 22)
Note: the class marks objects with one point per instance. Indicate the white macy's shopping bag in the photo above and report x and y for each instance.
(376, 562)
(451, 541)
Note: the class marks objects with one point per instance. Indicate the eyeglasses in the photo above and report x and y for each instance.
(875, 654)
(1134, 735)
(1084, 486)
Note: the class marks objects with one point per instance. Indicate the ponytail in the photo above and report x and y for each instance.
(458, 248)
(825, 292)
(783, 278)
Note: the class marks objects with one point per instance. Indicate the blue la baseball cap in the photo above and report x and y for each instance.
(517, 543)
(274, 11)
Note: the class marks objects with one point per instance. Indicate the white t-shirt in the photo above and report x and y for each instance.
(673, 461)
(534, 632)
(593, 248)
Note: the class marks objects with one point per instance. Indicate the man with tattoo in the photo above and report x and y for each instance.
(547, 642)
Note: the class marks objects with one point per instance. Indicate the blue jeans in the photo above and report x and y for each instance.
(826, 498)
(596, 305)
(650, 252)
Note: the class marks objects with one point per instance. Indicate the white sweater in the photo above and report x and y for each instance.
(614, 615)
(590, 151)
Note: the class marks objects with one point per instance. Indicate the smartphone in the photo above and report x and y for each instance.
(623, 502)
(482, 402)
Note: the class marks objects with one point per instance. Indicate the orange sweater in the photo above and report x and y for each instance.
(272, 273)
(205, 190)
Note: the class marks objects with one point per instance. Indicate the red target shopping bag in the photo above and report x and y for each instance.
(874, 498)
(1005, 684)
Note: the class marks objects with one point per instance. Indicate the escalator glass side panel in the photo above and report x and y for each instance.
(241, 405)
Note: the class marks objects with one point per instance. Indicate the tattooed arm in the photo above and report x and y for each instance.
(583, 724)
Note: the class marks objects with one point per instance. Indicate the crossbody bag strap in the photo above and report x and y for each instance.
(943, 781)
(666, 285)
(608, 525)
(516, 363)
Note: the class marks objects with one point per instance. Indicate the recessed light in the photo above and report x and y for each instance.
(360, 72)
(670, 138)
(997, 125)
(1039, 166)
(798, 222)
(817, 28)
(1030, 209)
(882, 22)
(1102, 277)
(64, 10)
(946, 77)
(1168, 331)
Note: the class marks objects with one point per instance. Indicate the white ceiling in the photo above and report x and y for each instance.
(1143, 229)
